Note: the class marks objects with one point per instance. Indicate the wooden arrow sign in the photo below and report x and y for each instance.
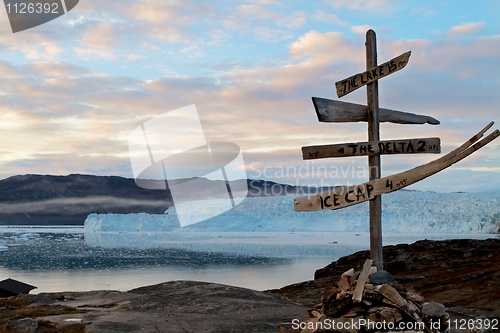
(339, 112)
(370, 148)
(361, 79)
(348, 196)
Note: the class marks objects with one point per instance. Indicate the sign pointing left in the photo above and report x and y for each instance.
(370, 148)
(359, 80)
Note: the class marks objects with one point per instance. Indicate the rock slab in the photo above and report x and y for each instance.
(177, 306)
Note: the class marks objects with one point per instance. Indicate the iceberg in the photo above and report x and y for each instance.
(402, 212)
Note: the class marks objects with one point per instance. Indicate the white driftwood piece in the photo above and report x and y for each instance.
(360, 285)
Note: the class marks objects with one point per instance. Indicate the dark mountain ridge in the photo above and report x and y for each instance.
(44, 187)
(48, 199)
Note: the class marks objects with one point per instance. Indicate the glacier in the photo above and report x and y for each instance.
(403, 211)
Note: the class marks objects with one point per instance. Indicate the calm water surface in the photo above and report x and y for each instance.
(64, 259)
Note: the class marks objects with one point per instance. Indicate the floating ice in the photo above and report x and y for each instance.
(403, 212)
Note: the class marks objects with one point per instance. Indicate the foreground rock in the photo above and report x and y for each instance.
(179, 306)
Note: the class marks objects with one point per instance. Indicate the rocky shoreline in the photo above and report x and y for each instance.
(464, 275)
(458, 273)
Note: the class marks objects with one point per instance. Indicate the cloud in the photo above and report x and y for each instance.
(439, 69)
(466, 29)
(98, 41)
(325, 48)
(51, 119)
(135, 57)
(373, 6)
(35, 47)
(169, 21)
(48, 70)
(328, 17)
(265, 22)
(262, 13)
(360, 30)
(66, 118)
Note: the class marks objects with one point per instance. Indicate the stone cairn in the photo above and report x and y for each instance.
(371, 301)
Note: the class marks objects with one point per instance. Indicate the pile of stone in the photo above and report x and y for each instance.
(371, 301)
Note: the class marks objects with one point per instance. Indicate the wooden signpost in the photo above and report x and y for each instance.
(335, 111)
(389, 147)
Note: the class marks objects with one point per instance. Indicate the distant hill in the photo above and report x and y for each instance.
(48, 199)
(44, 187)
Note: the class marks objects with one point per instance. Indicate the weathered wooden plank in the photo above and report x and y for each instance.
(392, 295)
(352, 195)
(368, 148)
(361, 79)
(331, 111)
(360, 285)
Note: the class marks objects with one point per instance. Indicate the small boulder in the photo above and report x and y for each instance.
(433, 310)
(381, 277)
(25, 325)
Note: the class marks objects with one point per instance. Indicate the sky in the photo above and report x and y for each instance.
(72, 90)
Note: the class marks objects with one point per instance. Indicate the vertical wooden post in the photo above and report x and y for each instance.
(374, 161)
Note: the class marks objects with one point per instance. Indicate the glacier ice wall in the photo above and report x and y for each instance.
(402, 212)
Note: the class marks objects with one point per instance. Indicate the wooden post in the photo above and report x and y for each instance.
(374, 161)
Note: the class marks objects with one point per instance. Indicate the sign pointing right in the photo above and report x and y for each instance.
(361, 79)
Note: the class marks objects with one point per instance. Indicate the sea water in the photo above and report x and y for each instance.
(55, 258)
